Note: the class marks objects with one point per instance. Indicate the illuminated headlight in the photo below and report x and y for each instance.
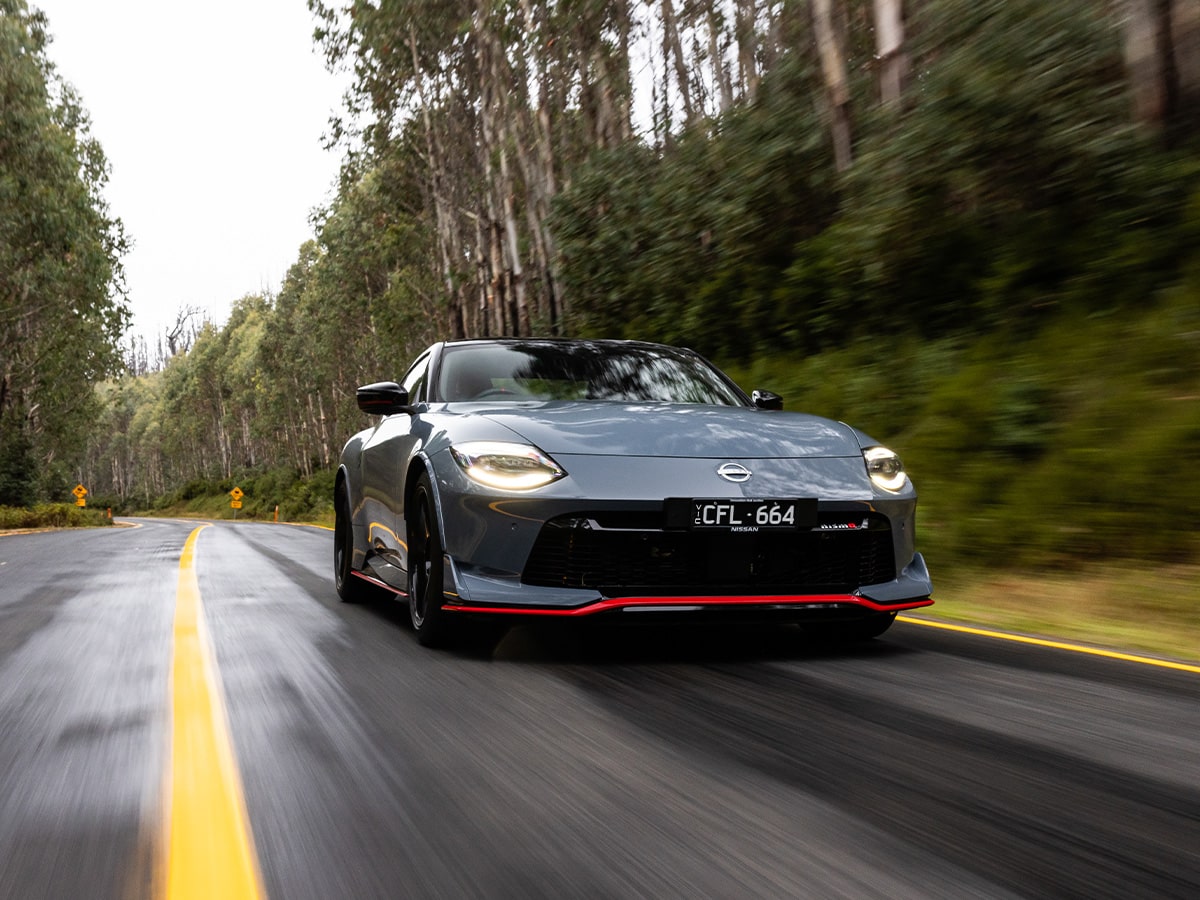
(513, 467)
(885, 468)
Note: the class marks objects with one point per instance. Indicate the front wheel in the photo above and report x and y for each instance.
(425, 568)
(350, 589)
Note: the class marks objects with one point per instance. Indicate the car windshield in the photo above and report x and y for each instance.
(553, 370)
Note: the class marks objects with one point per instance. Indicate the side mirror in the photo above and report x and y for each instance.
(766, 400)
(382, 399)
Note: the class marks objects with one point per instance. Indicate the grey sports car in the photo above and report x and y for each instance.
(520, 478)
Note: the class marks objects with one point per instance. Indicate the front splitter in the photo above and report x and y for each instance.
(685, 604)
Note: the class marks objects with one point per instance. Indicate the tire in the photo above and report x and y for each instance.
(862, 630)
(349, 588)
(425, 568)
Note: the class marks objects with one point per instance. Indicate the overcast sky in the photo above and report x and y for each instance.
(211, 117)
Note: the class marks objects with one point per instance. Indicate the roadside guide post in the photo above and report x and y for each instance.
(80, 493)
(236, 502)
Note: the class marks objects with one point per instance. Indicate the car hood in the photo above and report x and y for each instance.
(673, 430)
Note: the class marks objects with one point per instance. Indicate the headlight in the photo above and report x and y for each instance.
(513, 467)
(885, 468)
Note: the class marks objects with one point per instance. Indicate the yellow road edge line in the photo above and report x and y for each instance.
(1056, 645)
(210, 851)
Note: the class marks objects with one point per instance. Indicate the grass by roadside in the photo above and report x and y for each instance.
(51, 515)
(281, 494)
(1151, 609)
(218, 509)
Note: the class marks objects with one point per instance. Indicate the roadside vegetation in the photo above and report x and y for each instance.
(970, 227)
(51, 515)
(1129, 605)
(281, 494)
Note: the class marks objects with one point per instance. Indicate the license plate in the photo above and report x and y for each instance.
(741, 514)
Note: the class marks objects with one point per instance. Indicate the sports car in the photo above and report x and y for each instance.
(510, 480)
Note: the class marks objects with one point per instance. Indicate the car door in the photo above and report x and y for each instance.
(386, 456)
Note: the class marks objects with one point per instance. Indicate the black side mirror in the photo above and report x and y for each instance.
(382, 399)
(766, 400)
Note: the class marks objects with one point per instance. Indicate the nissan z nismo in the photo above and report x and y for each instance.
(512, 480)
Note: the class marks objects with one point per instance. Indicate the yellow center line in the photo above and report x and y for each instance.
(1056, 645)
(210, 850)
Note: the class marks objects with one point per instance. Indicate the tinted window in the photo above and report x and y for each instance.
(414, 380)
(551, 370)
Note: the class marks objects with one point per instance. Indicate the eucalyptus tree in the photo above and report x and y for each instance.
(829, 33)
(891, 51)
(493, 101)
(243, 336)
(1162, 55)
(62, 304)
(125, 460)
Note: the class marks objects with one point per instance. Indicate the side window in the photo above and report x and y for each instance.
(414, 380)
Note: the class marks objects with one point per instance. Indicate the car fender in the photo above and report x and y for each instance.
(422, 463)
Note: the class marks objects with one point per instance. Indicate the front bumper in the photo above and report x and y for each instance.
(597, 543)
(474, 593)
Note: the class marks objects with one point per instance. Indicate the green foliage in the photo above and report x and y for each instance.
(299, 498)
(1015, 183)
(310, 499)
(18, 469)
(1012, 185)
(52, 515)
(688, 247)
(1068, 445)
(62, 309)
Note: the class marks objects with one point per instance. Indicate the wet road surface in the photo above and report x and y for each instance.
(566, 763)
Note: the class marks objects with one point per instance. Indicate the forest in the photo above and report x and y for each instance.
(972, 227)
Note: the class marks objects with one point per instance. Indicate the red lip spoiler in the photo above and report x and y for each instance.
(666, 604)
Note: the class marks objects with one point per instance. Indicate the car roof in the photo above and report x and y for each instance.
(556, 339)
(583, 342)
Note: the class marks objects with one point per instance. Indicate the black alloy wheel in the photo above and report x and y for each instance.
(350, 589)
(425, 566)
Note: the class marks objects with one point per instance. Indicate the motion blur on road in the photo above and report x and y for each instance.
(566, 763)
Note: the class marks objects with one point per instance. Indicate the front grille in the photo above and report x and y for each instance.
(584, 551)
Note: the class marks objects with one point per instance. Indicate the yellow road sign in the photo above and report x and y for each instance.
(235, 504)
(81, 502)
(80, 492)
(237, 495)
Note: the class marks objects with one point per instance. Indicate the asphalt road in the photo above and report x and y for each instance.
(568, 764)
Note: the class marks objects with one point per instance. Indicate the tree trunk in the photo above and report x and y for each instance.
(441, 212)
(716, 54)
(515, 267)
(889, 47)
(1147, 55)
(1185, 43)
(746, 15)
(833, 67)
(673, 49)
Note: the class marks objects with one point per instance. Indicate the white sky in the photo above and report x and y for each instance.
(211, 117)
